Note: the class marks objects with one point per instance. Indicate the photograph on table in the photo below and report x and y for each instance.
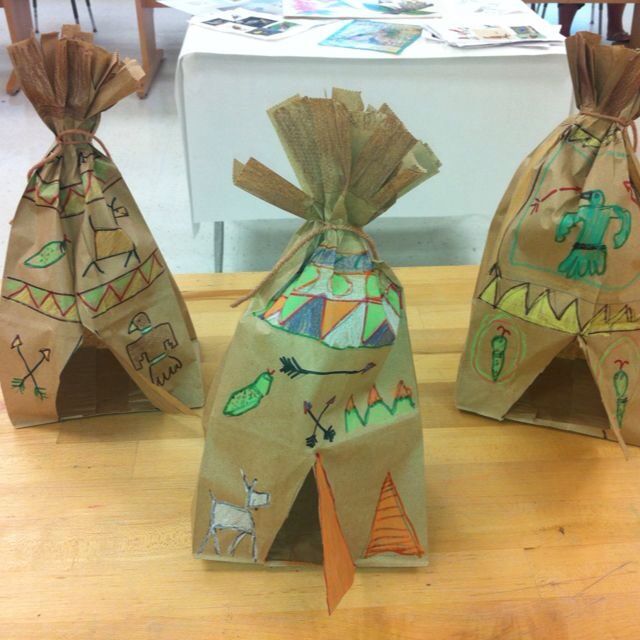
(255, 25)
(555, 325)
(385, 37)
(313, 449)
(93, 322)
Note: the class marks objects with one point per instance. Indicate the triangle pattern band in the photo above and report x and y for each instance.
(515, 302)
(98, 300)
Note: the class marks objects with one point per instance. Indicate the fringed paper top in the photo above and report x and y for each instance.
(606, 79)
(352, 163)
(69, 80)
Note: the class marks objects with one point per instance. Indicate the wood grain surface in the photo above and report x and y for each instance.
(533, 533)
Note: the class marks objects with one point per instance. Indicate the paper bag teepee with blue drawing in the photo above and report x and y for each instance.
(555, 327)
(92, 321)
(314, 449)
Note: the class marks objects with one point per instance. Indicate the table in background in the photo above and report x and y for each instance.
(481, 111)
(18, 14)
(533, 533)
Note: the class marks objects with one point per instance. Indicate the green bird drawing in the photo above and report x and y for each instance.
(588, 256)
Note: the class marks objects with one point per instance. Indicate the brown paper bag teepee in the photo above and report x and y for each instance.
(555, 327)
(92, 321)
(314, 449)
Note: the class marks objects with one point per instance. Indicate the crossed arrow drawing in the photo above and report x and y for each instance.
(329, 432)
(20, 383)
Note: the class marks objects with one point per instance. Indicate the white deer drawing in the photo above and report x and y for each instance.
(225, 516)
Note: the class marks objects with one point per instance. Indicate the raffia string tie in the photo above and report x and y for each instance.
(305, 239)
(60, 141)
(621, 122)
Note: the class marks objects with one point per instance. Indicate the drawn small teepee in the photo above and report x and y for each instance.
(391, 530)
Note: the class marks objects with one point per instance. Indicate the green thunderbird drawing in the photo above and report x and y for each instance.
(588, 256)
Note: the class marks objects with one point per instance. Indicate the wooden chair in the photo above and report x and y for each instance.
(74, 8)
(20, 27)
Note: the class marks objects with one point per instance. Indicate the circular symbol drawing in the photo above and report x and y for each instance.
(497, 348)
(618, 371)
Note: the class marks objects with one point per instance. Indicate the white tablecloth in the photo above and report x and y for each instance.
(481, 111)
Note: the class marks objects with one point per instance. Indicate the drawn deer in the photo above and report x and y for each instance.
(109, 239)
(226, 516)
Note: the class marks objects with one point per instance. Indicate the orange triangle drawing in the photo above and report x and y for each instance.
(275, 307)
(334, 312)
(339, 569)
(391, 529)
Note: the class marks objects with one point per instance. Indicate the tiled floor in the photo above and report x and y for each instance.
(144, 138)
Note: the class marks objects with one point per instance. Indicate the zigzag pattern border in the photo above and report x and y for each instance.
(108, 287)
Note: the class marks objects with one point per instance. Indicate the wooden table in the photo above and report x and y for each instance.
(634, 43)
(534, 533)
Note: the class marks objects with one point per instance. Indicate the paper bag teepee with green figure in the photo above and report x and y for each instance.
(555, 327)
(92, 322)
(313, 450)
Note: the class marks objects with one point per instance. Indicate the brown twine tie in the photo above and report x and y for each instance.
(60, 141)
(324, 226)
(621, 122)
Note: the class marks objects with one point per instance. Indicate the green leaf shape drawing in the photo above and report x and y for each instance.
(249, 397)
(48, 254)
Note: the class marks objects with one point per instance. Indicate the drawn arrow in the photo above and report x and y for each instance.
(329, 432)
(292, 368)
(18, 383)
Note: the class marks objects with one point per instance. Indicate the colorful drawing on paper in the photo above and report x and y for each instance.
(102, 298)
(584, 138)
(497, 348)
(292, 368)
(224, 516)
(20, 383)
(370, 35)
(618, 374)
(110, 241)
(48, 254)
(499, 344)
(53, 304)
(68, 200)
(515, 303)
(588, 256)
(581, 262)
(98, 299)
(328, 433)
(608, 318)
(539, 201)
(621, 386)
(153, 347)
(249, 397)
(339, 300)
(391, 530)
(378, 411)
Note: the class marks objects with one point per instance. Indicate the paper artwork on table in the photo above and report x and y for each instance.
(368, 35)
(92, 320)
(341, 9)
(554, 336)
(249, 23)
(206, 7)
(318, 385)
(471, 32)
